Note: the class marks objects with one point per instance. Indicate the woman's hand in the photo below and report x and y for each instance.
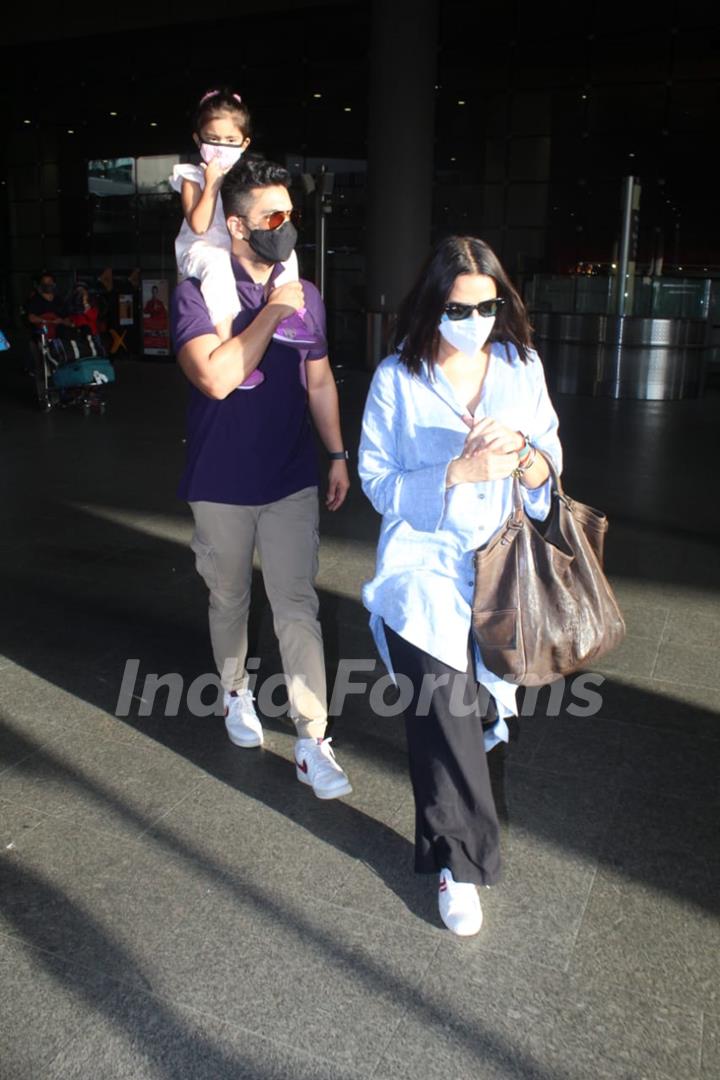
(488, 434)
(481, 466)
(490, 453)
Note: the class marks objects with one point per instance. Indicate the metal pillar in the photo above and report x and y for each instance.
(324, 184)
(628, 244)
(400, 155)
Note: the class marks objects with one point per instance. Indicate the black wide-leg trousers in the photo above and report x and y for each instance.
(456, 825)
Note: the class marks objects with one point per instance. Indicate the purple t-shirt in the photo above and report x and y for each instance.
(256, 446)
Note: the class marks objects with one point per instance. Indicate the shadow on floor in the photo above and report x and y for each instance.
(93, 600)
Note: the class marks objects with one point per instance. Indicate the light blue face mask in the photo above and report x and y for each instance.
(467, 335)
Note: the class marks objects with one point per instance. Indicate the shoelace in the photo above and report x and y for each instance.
(242, 695)
(326, 757)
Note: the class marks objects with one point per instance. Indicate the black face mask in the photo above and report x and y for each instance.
(274, 245)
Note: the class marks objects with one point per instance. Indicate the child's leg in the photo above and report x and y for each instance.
(217, 282)
(296, 329)
(223, 329)
(290, 271)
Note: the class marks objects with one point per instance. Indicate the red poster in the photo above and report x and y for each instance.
(156, 328)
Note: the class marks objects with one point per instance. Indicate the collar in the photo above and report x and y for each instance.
(439, 384)
(241, 274)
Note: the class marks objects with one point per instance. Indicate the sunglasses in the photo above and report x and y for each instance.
(486, 308)
(279, 217)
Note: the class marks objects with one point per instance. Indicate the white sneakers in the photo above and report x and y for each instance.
(242, 722)
(315, 765)
(459, 905)
(315, 762)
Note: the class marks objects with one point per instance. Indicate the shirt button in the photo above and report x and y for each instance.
(481, 496)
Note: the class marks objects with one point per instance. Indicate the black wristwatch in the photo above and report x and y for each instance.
(341, 455)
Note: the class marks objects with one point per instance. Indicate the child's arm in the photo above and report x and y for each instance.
(199, 203)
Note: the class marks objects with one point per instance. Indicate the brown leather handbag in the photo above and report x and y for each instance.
(542, 606)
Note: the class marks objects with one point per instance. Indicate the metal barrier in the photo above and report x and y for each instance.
(622, 356)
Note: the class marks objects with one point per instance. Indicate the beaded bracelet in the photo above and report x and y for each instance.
(526, 462)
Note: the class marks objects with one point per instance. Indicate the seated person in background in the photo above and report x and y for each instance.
(44, 308)
(85, 311)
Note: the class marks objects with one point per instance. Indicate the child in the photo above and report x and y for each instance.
(84, 311)
(202, 248)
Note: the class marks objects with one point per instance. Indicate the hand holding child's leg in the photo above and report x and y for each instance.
(290, 271)
(297, 329)
(217, 282)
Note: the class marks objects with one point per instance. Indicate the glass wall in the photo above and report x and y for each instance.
(679, 298)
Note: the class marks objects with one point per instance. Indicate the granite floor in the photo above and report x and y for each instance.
(173, 907)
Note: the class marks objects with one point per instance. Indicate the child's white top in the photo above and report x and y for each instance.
(217, 235)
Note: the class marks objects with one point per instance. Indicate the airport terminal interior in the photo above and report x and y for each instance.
(174, 907)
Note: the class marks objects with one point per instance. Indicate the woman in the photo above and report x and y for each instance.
(450, 416)
(85, 312)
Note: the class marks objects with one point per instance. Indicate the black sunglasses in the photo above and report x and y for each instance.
(486, 308)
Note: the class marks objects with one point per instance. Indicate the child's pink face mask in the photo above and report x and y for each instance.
(226, 156)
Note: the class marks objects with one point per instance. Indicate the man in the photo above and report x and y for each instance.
(44, 308)
(47, 315)
(251, 473)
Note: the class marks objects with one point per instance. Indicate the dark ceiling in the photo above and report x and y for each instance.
(611, 87)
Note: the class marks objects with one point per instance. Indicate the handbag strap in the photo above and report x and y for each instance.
(557, 488)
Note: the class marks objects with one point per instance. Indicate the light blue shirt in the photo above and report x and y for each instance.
(424, 575)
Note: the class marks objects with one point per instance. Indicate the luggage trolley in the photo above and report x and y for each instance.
(71, 371)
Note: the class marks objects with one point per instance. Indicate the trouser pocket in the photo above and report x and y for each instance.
(204, 561)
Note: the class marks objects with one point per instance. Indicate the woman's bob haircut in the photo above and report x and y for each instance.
(417, 336)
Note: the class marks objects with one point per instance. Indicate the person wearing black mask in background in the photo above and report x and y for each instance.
(48, 315)
(44, 308)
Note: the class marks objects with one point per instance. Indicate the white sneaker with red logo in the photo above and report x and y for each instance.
(459, 905)
(242, 722)
(315, 765)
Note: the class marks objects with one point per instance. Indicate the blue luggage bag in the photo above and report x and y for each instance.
(94, 371)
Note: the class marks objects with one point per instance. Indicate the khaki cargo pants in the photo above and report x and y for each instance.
(285, 534)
